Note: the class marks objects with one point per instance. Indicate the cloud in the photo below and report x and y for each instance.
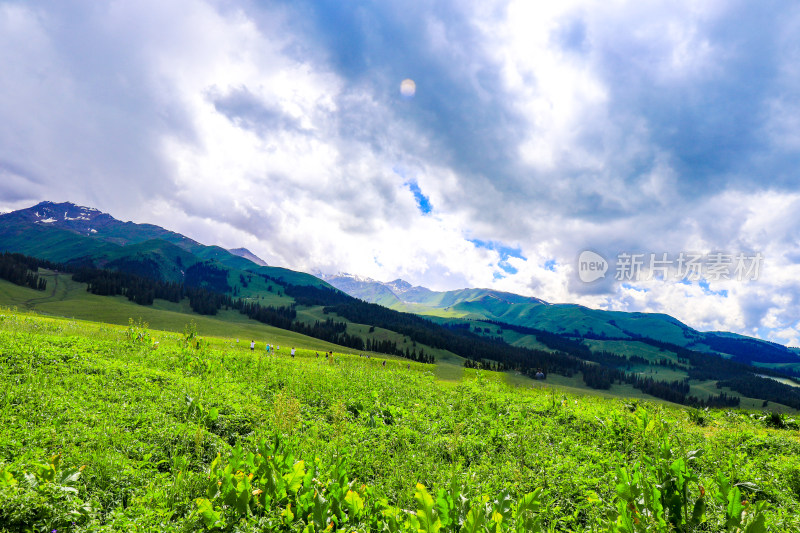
(537, 131)
(247, 111)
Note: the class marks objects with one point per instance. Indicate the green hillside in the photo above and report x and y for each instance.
(570, 320)
(103, 430)
(67, 298)
(171, 275)
(480, 304)
(88, 237)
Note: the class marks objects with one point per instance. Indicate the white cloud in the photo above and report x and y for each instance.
(547, 127)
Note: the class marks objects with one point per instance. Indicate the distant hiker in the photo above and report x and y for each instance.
(384, 363)
(316, 354)
(292, 352)
(267, 348)
(252, 345)
(539, 374)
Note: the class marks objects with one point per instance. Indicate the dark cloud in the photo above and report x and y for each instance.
(459, 104)
(673, 118)
(248, 111)
(79, 109)
(708, 117)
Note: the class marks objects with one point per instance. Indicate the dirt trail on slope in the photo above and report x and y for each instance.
(31, 303)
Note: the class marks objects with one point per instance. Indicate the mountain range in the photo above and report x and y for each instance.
(72, 234)
(569, 320)
(82, 236)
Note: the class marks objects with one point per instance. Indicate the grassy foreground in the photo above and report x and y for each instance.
(102, 430)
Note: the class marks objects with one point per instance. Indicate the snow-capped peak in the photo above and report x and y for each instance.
(354, 277)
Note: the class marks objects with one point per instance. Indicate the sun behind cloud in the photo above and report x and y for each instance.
(408, 88)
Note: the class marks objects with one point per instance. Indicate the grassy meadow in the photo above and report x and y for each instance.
(105, 430)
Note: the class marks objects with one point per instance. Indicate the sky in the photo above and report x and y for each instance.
(525, 146)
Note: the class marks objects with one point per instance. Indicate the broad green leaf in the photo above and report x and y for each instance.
(287, 515)
(244, 492)
(474, 521)
(353, 503)
(734, 509)
(215, 464)
(210, 517)
(444, 507)
(758, 525)
(428, 521)
(294, 479)
(748, 486)
(6, 478)
(68, 477)
(320, 514)
(531, 503)
(699, 511)
(501, 510)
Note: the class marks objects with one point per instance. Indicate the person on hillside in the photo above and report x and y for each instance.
(267, 348)
(292, 352)
(252, 345)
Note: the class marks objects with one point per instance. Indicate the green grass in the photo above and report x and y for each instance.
(104, 431)
(67, 298)
(657, 372)
(629, 348)
(780, 366)
(70, 299)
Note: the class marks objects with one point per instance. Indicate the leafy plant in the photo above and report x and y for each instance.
(137, 333)
(662, 492)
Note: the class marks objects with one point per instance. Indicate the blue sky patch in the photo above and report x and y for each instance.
(634, 288)
(423, 202)
(507, 267)
(707, 289)
(504, 251)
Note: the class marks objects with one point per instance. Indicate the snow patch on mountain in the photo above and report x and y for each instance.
(400, 286)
